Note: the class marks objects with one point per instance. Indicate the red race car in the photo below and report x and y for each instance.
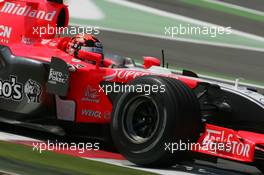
(154, 116)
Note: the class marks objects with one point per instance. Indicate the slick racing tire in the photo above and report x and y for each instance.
(145, 125)
(260, 166)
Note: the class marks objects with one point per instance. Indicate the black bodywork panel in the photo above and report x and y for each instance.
(58, 81)
(229, 109)
(23, 95)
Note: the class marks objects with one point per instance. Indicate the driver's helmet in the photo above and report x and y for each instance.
(87, 42)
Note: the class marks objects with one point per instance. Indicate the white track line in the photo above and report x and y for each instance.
(8, 173)
(87, 10)
(12, 137)
(256, 12)
(183, 18)
(179, 17)
(177, 39)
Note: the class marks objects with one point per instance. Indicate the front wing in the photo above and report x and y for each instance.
(230, 144)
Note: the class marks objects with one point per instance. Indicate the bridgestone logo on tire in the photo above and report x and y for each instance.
(11, 89)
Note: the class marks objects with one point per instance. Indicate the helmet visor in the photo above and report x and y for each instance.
(92, 49)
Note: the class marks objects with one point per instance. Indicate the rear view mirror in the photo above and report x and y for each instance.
(151, 61)
(91, 56)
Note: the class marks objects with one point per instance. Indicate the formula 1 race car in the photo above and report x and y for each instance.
(150, 110)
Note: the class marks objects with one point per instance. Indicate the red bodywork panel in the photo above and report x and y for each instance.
(229, 144)
(23, 42)
(87, 77)
(21, 20)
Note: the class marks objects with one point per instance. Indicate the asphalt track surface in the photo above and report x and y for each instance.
(203, 58)
(211, 60)
(212, 16)
(253, 4)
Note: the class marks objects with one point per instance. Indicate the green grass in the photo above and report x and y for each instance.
(22, 159)
(225, 9)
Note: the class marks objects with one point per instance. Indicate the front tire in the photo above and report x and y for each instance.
(142, 124)
(260, 166)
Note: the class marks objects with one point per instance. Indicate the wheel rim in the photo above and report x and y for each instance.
(141, 119)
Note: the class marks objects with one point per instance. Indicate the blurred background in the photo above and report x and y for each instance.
(136, 28)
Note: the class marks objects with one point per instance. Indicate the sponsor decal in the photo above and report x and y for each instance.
(231, 143)
(107, 115)
(124, 75)
(5, 31)
(27, 11)
(56, 76)
(5, 34)
(91, 113)
(91, 95)
(14, 90)
(11, 89)
(58, 79)
(76, 60)
(26, 40)
(79, 66)
(45, 41)
(33, 91)
(53, 43)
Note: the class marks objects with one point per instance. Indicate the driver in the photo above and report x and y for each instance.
(87, 43)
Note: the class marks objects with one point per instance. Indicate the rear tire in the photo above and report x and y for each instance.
(142, 124)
